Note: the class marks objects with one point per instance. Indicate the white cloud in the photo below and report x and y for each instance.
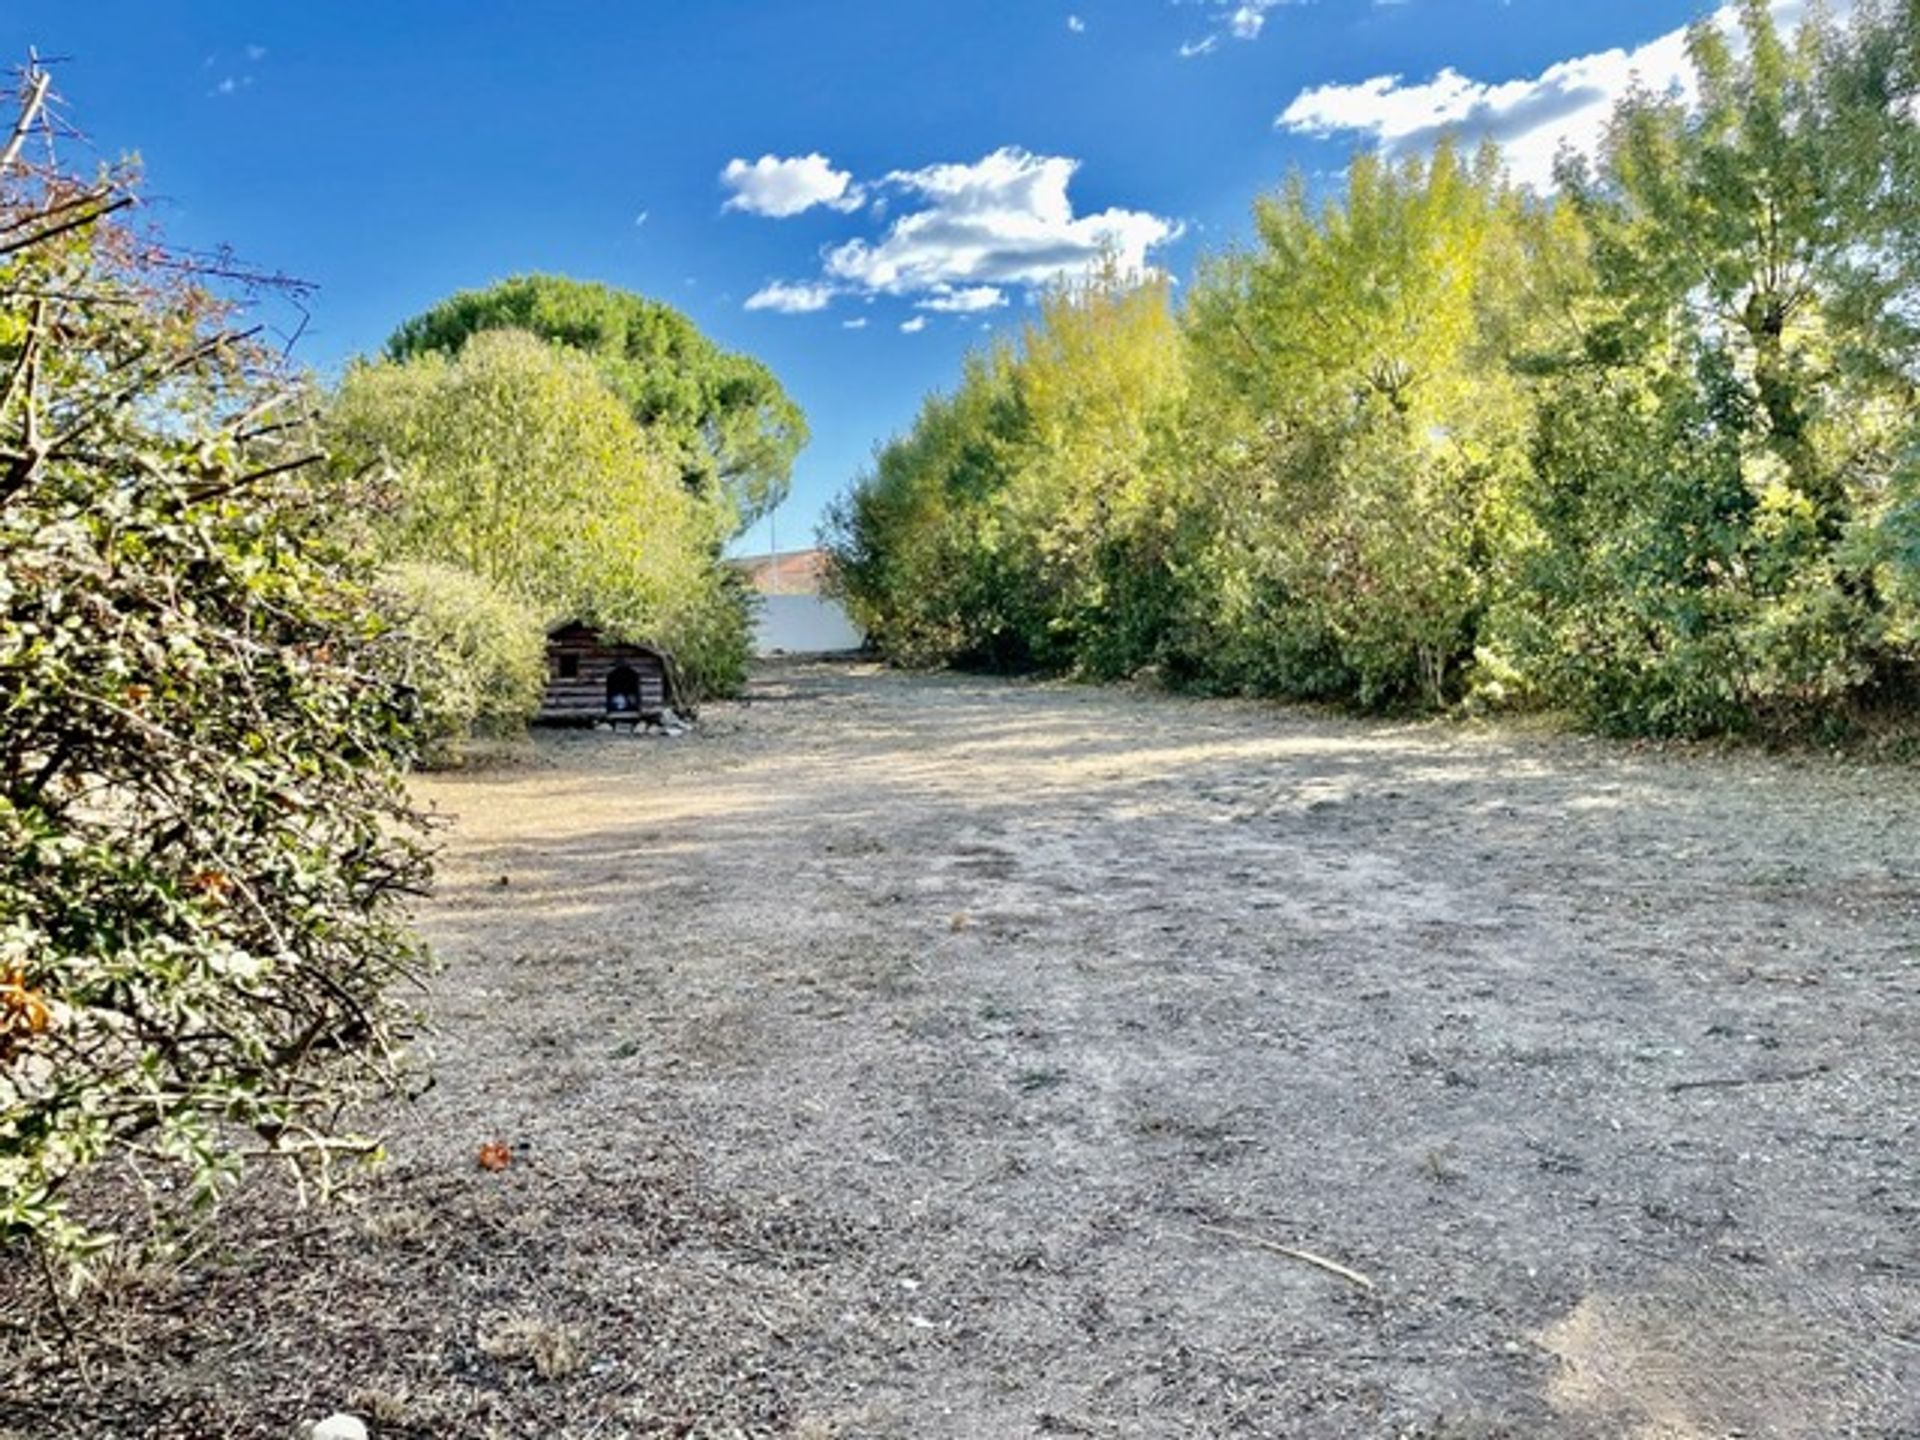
(641, 218)
(781, 187)
(859, 322)
(1076, 25)
(1567, 104)
(913, 326)
(1239, 19)
(964, 300)
(791, 299)
(256, 53)
(1003, 220)
(1247, 22)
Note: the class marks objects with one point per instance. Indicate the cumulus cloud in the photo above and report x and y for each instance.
(859, 322)
(913, 326)
(956, 238)
(782, 187)
(1076, 25)
(1567, 104)
(1003, 220)
(791, 299)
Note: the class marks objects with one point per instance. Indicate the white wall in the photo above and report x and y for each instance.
(802, 625)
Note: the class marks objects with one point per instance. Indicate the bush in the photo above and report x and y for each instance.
(204, 839)
(478, 656)
(513, 462)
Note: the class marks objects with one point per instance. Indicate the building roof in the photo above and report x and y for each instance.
(791, 572)
(581, 631)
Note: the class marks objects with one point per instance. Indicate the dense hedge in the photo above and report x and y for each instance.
(1642, 451)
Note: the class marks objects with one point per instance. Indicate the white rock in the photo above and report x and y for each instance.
(339, 1427)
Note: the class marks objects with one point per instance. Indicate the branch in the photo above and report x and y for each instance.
(201, 493)
(37, 84)
(23, 366)
(108, 404)
(77, 222)
(25, 379)
(59, 207)
(1305, 1257)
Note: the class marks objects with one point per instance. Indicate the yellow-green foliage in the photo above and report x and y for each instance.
(1641, 451)
(729, 429)
(1356, 358)
(1024, 520)
(515, 462)
(478, 657)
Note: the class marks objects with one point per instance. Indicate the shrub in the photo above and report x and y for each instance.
(513, 461)
(478, 656)
(204, 839)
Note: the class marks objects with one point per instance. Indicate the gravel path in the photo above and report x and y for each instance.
(939, 1057)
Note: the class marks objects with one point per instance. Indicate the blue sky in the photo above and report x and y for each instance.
(905, 172)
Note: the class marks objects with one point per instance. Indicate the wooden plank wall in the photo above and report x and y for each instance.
(584, 697)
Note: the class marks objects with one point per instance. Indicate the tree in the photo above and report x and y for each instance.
(916, 549)
(1717, 445)
(1101, 377)
(205, 845)
(514, 462)
(1368, 431)
(723, 418)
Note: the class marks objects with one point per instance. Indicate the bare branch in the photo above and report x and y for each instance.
(91, 196)
(77, 222)
(23, 366)
(37, 82)
(200, 494)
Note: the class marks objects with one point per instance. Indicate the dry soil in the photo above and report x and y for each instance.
(947, 1057)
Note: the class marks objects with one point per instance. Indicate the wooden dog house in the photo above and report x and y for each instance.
(591, 678)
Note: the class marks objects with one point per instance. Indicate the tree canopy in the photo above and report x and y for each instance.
(724, 420)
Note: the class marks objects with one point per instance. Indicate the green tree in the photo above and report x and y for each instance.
(723, 419)
(1101, 379)
(1715, 451)
(915, 543)
(1368, 432)
(514, 462)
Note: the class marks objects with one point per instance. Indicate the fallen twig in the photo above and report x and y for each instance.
(1305, 1257)
(1731, 1082)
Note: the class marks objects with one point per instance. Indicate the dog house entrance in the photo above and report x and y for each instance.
(623, 691)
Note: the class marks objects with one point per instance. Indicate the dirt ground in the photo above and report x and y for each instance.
(944, 1057)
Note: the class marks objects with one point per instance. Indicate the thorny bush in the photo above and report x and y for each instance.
(205, 845)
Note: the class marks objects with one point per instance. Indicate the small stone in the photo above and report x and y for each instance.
(339, 1427)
